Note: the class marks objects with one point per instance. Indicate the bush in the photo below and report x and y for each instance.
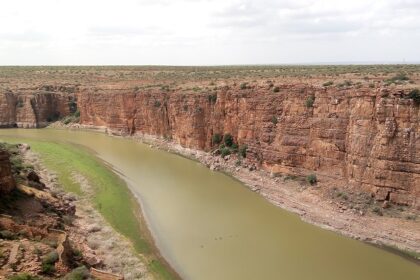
(5, 234)
(24, 276)
(415, 95)
(228, 139)
(242, 150)
(276, 89)
(51, 258)
(377, 211)
(47, 268)
(310, 101)
(400, 77)
(311, 179)
(79, 273)
(244, 86)
(216, 138)
(274, 120)
(224, 151)
(212, 98)
(327, 84)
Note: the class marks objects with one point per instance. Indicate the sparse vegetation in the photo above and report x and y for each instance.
(377, 211)
(327, 84)
(79, 273)
(274, 119)
(415, 95)
(216, 139)
(48, 263)
(24, 276)
(228, 140)
(242, 150)
(311, 179)
(310, 101)
(212, 98)
(225, 151)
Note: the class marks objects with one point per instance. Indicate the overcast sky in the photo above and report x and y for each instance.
(208, 32)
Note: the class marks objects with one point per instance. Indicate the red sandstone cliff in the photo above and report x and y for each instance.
(369, 138)
(34, 109)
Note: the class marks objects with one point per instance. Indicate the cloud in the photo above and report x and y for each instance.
(208, 31)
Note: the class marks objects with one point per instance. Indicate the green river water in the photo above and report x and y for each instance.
(209, 226)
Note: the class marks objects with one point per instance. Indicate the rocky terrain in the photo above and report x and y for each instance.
(346, 130)
(42, 236)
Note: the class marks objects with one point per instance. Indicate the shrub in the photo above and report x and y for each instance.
(79, 273)
(327, 84)
(24, 276)
(5, 234)
(377, 211)
(47, 268)
(311, 179)
(400, 77)
(234, 148)
(276, 89)
(244, 86)
(242, 150)
(48, 263)
(310, 101)
(228, 139)
(216, 138)
(51, 258)
(415, 95)
(224, 151)
(212, 98)
(274, 120)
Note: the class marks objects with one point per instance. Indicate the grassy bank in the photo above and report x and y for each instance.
(112, 197)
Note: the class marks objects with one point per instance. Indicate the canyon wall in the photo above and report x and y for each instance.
(365, 138)
(34, 109)
(7, 182)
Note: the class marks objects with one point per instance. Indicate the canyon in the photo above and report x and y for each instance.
(339, 149)
(359, 137)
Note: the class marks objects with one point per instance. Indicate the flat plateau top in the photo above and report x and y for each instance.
(207, 77)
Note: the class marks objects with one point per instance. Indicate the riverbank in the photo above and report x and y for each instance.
(116, 230)
(321, 205)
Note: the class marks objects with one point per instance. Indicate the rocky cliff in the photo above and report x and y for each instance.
(34, 108)
(7, 182)
(368, 138)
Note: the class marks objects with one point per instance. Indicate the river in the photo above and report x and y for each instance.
(210, 226)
